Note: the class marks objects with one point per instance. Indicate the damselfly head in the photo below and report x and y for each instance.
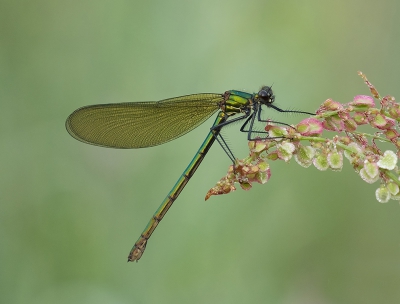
(266, 96)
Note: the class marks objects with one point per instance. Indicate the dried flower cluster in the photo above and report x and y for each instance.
(305, 143)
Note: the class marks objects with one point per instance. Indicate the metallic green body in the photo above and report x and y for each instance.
(234, 104)
(146, 124)
(141, 243)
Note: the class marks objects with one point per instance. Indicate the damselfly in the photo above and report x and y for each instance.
(145, 124)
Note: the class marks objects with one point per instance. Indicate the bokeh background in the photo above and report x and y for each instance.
(70, 212)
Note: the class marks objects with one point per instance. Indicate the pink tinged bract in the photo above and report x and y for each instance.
(370, 172)
(335, 160)
(304, 156)
(388, 160)
(321, 162)
(382, 194)
(285, 151)
(310, 127)
(363, 101)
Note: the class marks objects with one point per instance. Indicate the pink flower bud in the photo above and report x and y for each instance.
(382, 122)
(391, 134)
(331, 105)
(360, 118)
(394, 111)
(363, 101)
(350, 125)
(333, 123)
(310, 127)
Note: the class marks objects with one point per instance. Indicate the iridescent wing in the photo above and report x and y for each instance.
(141, 124)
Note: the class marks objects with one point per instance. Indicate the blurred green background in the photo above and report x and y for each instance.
(70, 212)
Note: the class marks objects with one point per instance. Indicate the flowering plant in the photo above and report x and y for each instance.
(305, 143)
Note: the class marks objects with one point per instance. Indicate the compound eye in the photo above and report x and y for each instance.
(263, 94)
(266, 95)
